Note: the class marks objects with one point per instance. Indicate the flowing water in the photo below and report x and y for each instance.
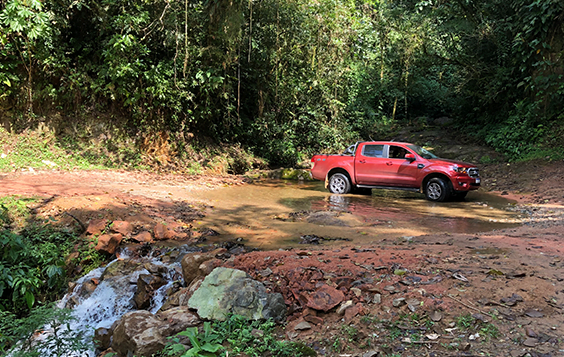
(264, 214)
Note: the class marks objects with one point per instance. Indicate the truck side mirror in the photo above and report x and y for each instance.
(410, 157)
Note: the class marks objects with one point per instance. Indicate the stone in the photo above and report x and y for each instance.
(344, 306)
(325, 298)
(137, 334)
(122, 227)
(143, 237)
(159, 231)
(102, 338)
(371, 354)
(302, 326)
(146, 286)
(377, 299)
(356, 291)
(534, 313)
(436, 316)
(398, 302)
(230, 291)
(177, 320)
(108, 243)
(314, 319)
(530, 342)
(208, 266)
(96, 226)
(530, 332)
(353, 311)
(191, 263)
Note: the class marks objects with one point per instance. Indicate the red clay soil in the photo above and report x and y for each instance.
(462, 286)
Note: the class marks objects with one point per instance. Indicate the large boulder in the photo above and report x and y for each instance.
(230, 291)
(138, 333)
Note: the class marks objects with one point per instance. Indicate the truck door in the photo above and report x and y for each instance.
(368, 164)
(399, 171)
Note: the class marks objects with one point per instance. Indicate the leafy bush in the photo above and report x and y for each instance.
(18, 336)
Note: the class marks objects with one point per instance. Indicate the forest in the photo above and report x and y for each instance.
(282, 79)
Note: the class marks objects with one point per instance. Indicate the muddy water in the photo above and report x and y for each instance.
(264, 214)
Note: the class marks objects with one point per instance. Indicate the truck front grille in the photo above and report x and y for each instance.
(473, 172)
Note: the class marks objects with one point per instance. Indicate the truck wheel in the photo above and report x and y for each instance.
(437, 190)
(339, 183)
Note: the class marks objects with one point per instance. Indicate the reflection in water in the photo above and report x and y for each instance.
(248, 211)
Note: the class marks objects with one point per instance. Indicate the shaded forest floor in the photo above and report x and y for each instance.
(496, 293)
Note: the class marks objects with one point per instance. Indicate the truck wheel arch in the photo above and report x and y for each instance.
(338, 170)
(433, 175)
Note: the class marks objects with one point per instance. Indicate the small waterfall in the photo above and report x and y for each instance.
(101, 305)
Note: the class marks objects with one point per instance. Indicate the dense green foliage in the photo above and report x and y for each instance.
(285, 78)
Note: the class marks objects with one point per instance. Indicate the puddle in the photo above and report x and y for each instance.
(259, 214)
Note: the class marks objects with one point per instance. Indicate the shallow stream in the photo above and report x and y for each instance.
(275, 214)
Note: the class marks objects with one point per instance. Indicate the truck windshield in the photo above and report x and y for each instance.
(422, 152)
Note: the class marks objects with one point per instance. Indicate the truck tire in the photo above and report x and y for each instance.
(339, 183)
(437, 190)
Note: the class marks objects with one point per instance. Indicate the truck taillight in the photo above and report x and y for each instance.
(313, 159)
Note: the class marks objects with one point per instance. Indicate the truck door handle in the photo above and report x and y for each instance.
(362, 162)
(389, 163)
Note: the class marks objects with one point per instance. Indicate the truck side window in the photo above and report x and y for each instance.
(372, 150)
(397, 152)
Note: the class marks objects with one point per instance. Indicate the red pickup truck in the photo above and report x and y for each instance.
(395, 165)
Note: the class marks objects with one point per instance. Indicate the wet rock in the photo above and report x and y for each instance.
(102, 338)
(325, 298)
(229, 291)
(137, 334)
(120, 268)
(143, 237)
(122, 227)
(182, 296)
(177, 320)
(108, 243)
(146, 286)
(192, 261)
(96, 226)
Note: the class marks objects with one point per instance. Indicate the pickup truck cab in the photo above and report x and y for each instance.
(395, 165)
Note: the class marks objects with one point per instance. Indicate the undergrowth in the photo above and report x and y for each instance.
(235, 336)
